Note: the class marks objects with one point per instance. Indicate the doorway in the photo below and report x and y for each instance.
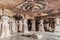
(29, 24)
(37, 22)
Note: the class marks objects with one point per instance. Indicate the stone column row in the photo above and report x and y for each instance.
(23, 26)
(41, 26)
(13, 26)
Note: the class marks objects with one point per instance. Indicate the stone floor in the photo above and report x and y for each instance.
(47, 36)
(17, 37)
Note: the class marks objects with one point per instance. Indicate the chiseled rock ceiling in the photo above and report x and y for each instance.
(10, 3)
(31, 6)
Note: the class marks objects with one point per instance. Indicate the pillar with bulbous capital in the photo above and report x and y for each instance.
(5, 26)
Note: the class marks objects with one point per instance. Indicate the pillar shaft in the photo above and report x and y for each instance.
(33, 25)
(14, 27)
(25, 26)
(41, 27)
(57, 24)
(5, 26)
(20, 25)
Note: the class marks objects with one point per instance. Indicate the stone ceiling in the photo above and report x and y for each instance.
(31, 7)
(10, 3)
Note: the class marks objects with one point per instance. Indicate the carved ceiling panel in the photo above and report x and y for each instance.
(31, 6)
(34, 6)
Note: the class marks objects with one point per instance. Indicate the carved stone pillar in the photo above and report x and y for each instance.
(41, 27)
(20, 25)
(17, 26)
(14, 26)
(25, 26)
(33, 25)
(57, 24)
(5, 26)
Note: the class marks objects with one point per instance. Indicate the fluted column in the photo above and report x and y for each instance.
(41, 26)
(33, 25)
(5, 26)
(57, 24)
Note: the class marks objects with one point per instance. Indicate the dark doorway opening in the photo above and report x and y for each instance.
(29, 24)
(37, 25)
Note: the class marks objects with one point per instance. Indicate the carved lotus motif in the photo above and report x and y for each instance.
(35, 6)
